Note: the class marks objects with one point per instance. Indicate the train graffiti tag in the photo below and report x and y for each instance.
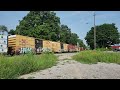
(25, 50)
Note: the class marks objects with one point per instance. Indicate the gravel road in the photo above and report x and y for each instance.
(67, 68)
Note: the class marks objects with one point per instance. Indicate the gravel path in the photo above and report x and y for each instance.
(70, 69)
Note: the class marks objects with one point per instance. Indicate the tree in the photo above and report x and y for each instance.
(40, 24)
(45, 25)
(65, 34)
(81, 44)
(73, 38)
(11, 32)
(3, 27)
(106, 35)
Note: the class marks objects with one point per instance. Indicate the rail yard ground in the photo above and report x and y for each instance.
(67, 68)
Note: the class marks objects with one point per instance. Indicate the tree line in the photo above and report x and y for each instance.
(46, 25)
(106, 35)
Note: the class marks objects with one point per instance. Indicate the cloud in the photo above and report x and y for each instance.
(80, 12)
(76, 13)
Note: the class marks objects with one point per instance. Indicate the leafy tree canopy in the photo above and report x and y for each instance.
(106, 34)
(3, 27)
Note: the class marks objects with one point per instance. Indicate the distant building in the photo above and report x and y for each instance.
(3, 41)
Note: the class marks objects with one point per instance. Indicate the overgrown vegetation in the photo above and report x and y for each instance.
(12, 67)
(106, 35)
(92, 57)
(104, 49)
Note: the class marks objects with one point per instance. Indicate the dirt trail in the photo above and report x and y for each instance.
(65, 56)
(71, 69)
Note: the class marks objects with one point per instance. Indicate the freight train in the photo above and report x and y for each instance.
(115, 47)
(18, 44)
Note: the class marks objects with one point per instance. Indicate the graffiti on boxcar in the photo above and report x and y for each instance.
(25, 50)
(24, 42)
(46, 49)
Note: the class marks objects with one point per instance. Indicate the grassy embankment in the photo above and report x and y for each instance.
(92, 57)
(12, 67)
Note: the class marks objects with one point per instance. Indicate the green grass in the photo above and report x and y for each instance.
(92, 57)
(104, 49)
(12, 67)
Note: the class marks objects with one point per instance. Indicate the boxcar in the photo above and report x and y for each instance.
(56, 46)
(71, 48)
(47, 46)
(65, 47)
(81, 48)
(76, 48)
(115, 47)
(18, 44)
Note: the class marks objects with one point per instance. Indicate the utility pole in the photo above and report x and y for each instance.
(94, 32)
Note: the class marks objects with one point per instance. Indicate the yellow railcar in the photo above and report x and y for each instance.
(56, 46)
(76, 48)
(21, 44)
(51, 46)
(47, 45)
(65, 47)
